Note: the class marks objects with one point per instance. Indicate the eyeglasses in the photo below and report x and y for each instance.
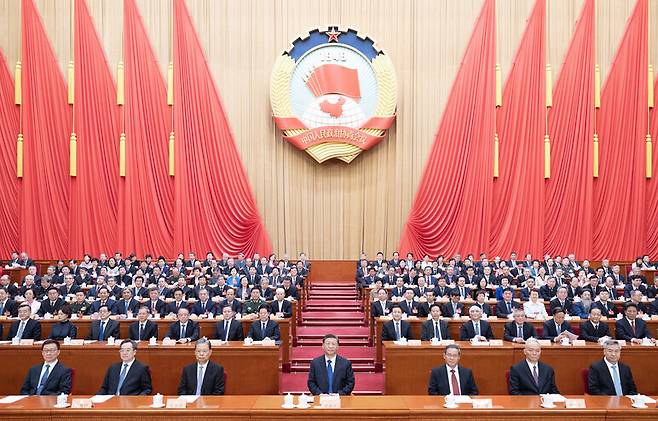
(48, 351)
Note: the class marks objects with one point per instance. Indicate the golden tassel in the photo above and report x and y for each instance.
(547, 157)
(171, 154)
(73, 155)
(499, 86)
(170, 83)
(649, 156)
(71, 82)
(19, 156)
(496, 156)
(650, 87)
(549, 86)
(597, 86)
(120, 82)
(596, 155)
(122, 155)
(18, 78)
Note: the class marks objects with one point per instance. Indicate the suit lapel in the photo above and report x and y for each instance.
(526, 368)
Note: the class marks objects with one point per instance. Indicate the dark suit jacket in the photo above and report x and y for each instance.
(191, 331)
(376, 309)
(64, 290)
(510, 331)
(609, 310)
(599, 381)
(624, 331)
(409, 310)
(32, 330)
(137, 381)
(211, 307)
(10, 308)
(521, 381)
(438, 384)
(343, 383)
(501, 308)
(235, 305)
(427, 330)
(52, 309)
(173, 306)
(93, 307)
(235, 331)
(150, 331)
(467, 330)
(448, 310)
(271, 331)
(111, 329)
(388, 331)
(160, 306)
(550, 331)
(286, 308)
(567, 307)
(213, 380)
(60, 331)
(133, 305)
(588, 333)
(58, 381)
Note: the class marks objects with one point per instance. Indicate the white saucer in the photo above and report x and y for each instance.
(66, 405)
(643, 406)
(445, 405)
(287, 406)
(548, 406)
(157, 406)
(303, 406)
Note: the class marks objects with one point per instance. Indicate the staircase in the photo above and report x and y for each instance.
(333, 308)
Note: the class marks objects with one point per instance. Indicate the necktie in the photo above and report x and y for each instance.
(616, 380)
(227, 323)
(397, 331)
(535, 375)
(557, 328)
(126, 307)
(42, 381)
(519, 331)
(461, 292)
(21, 328)
(182, 331)
(141, 332)
(199, 381)
(2, 308)
(633, 326)
(477, 329)
(509, 307)
(203, 307)
(101, 332)
(437, 331)
(330, 378)
(153, 307)
(455, 383)
(263, 325)
(122, 377)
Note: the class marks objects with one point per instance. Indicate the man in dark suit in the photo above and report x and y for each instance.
(204, 306)
(607, 307)
(507, 305)
(104, 327)
(231, 301)
(103, 300)
(203, 377)
(143, 329)
(263, 327)
(593, 329)
(451, 378)
(531, 376)
(435, 327)
(50, 377)
(172, 307)
(70, 287)
(453, 307)
(279, 306)
(408, 305)
(127, 304)
(382, 306)
(184, 330)
(608, 376)
(229, 329)
(397, 328)
(476, 328)
(330, 373)
(52, 303)
(557, 328)
(561, 300)
(8, 307)
(154, 303)
(24, 327)
(631, 328)
(129, 377)
(519, 330)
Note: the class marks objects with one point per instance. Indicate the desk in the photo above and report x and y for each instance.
(489, 365)
(206, 328)
(249, 369)
(352, 407)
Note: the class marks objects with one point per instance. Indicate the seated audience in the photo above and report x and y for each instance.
(129, 377)
(531, 376)
(451, 378)
(63, 329)
(609, 376)
(50, 377)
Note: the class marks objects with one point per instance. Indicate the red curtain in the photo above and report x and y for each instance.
(95, 190)
(146, 205)
(215, 208)
(9, 184)
(652, 191)
(619, 191)
(46, 128)
(451, 211)
(568, 193)
(518, 203)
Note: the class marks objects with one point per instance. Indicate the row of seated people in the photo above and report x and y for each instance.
(630, 327)
(184, 327)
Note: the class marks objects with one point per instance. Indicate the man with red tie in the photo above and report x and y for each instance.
(451, 378)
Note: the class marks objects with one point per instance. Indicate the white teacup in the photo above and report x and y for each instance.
(637, 401)
(158, 400)
(547, 402)
(450, 401)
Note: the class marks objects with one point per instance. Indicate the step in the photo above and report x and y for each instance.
(360, 354)
(329, 302)
(343, 341)
(332, 296)
(356, 367)
(365, 383)
(342, 332)
(333, 315)
(331, 308)
(332, 323)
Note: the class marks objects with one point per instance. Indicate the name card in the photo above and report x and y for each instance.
(579, 342)
(482, 403)
(81, 403)
(29, 342)
(575, 403)
(217, 342)
(480, 343)
(414, 342)
(544, 342)
(177, 403)
(496, 342)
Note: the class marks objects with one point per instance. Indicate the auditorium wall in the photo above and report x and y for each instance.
(331, 210)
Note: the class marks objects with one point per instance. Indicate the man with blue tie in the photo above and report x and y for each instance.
(263, 327)
(203, 377)
(129, 377)
(396, 329)
(608, 376)
(104, 327)
(184, 330)
(49, 378)
(229, 329)
(330, 373)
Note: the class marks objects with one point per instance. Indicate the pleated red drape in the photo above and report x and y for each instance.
(215, 207)
(518, 205)
(147, 192)
(46, 128)
(568, 202)
(619, 191)
(95, 190)
(451, 211)
(651, 224)
(9, 183)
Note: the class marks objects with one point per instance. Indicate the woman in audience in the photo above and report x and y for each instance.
(244, 290)
(535, 308)
(481, 286)
(29, 299)
(112, 267)
(64, 328)
(480, 297)
(540, 280)
(233, 279)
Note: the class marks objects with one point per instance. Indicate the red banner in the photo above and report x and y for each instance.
(337, 134)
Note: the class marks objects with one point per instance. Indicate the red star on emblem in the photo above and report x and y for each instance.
(333, 35)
